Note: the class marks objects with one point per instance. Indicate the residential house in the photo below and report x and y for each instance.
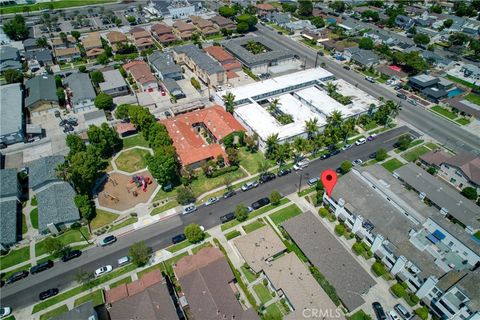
(67, 54)
(206, 27)
(174, 88)
(10, 209)
(362, 57)
(183, 30)
(462, 105)
(404, 22)
(437, 60)
(125, 129)
(264, 8)
(92, 41)
(471, 27)
(461, 170)
(140, 71)
(9, 59)
(85, 311)
(38, 58)
(59, 43)
(318, 37)
(228, 62)
(224, 23)
(12, 121)
(30, 44)
(336, 46)
(41, 95)
(299, 25)
(146, 298)
(279, 18)
(429, 86)
(94, 118)
(164, 66)
(114, 38)
(80, 92)
(208, 286)
(163, 33)
(56, 206)
(350, 26)
(142, 39)
(114, 84)
(471, 71)
(391, 71)
(94, 53)
(207, 69)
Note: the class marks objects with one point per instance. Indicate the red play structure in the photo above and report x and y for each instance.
(141, 181)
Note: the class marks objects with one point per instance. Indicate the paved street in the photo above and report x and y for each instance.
(447, 133)
(159, 235)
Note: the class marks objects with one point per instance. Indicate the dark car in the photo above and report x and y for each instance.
(178, 238)
(228, 217)
(379, 312)
(402, 96)
(339, 170)
(17, 276)
(229, 194)
(108, 240)
(48, 293)
(267, 176)
(373, 155)
(334, 152)
(325, 156)
(260, 203)
(284, 172)
(72, 254)
(41, 267)
(396, 145)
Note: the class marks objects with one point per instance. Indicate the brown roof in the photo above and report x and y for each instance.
(219, 53)
(337, 45)
(183, 26)
(124, 127)
(204, 279)
(202, 23)
(469, 164)
(141, 34)
(166, 38)
(140, 71)
(222, 22)
(58, 41)
(66, 51)
(92, 40)
(161, 28)
(116, 36)
(146, 298)
(94, 52)
(265, 7)
(231, 74)
(389, 71)
(436, 157)
(144, 42)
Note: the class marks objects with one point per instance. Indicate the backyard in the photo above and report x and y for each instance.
(132, 160)
(473, 98)
(262, 292)
(392, 164)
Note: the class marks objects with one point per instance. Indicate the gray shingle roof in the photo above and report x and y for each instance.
(41, 88)
(81, 87)
(172, 86)
(8, 183)
(363, 56)
(10, 64)
(42, 171)
(332, 259)
(113, 79)
(163, 61)
(8, 216)
(83, 312)
(56, 205)
(43, 55)
(201, 59)
(30, 42)
(11, 102)
(8, 53)
(276, 51)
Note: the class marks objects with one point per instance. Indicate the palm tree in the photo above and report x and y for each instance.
(312, 127)
(301, 146)
(347, 127)
(393, 109)
(228, 100)
(283, 153)
(272, 144)
(335, 119)
(274, 104)
(331, 88)
(318, 142)
(251, 46)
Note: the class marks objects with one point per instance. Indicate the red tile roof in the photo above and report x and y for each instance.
(125, 290)
(265, 7)
(190, 147)
(218, 53)
(231, 74)
(232, 66)
(123, 127)
(140, 71)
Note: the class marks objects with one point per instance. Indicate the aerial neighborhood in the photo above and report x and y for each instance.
(244, 159)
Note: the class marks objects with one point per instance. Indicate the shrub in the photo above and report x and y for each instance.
(275, 198)
(327, 287)
(422, 312)
(195, 83)
(265, 282)
(194, 233)
(398, 290)
(378, 268)
(323, 212)
(470, 193)
(340, 229)
(223, 170)
(358, 248)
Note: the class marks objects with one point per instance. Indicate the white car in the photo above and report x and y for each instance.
(103, 270)
(189, 208)
(357, 162)
(5, 311)
(346, 147)
(360, 141)
(393, 315)
(211, 201)
(301, 164)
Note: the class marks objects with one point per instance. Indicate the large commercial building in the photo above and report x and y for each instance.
(301, 95)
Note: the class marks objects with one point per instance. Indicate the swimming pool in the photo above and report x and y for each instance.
(455, 92)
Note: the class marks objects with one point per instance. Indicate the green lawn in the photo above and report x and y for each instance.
(392, 164)
(250, 160)
(102, 218)
(273, 312)
(262, 292)
(203, 184)
(310, 44)
(169, 205)
(229, 224)
(462, 121)
(132, 160)
(34, 218)
(411, 145)
(24, 224)
(359, 315)
(444, 112)
(370, 126)
(14, 257)
(473, 98)
(54, 313)
(66, 238)
(415, 153)
(253, 226)
(285, 214)
(461, 81)
(124, 223)
(33, 201)
(136, 140)
(121, 281)
(96, 297)
(431, 145)
(232, 234)
(248, 274)
(49, 5)
(306, 191)
(178, 246)
(9, 273)
(200, 247)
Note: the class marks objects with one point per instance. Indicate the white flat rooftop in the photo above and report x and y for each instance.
(322, 102)
(361, 100)
(299, 111)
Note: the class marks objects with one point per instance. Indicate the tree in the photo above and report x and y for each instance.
(422, 312)
(226, 11)
(283, 153)
(331, 88)
(13, 76)
(16, 29)
(61, 96)
(104, 140)
(470, 193)
(263, 166)
(242, 27)
(311, 127)
(104, 101)
(42, 42)
(75, 143)
(232, 156)
(249, 19)
(421, 38)
(275, 197)
(228, 99)
(337, 6)
(432, 170)
(140, 253)
(289, 7)
(54, 246)
(241, 212)
(84, 276)
(305, 8)
(318, 22)
(102, 58)
(458, 39)
(85, 206)
(366, 43)
(371, 15)
(97, 77)
(185, 195)
(404, 142)
(164, 164)
(435, 8)
(75, 34)
(82, 69)
(194, 233)
(272, 144)
(346, 166)
(381, 155)
(121, 112)
(448, 23)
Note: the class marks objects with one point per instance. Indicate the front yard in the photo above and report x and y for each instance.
(14, 257)
(250, 161)
(392, 164)
(70, 236)
(414, 154)
(285, 214)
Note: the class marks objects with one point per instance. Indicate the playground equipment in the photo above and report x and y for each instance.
(113, 181)
(108, 195)
(141, 181)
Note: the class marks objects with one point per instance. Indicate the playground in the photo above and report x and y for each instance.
(122, 192)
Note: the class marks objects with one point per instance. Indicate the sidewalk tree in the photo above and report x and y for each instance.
(185, 195)
(140, 253)
(305, 8)
(275, 197)
(404, 142)
(16, 29)
(284, 152)
(84, 276)
(381, 155)
(194, 233)
(263, 166)
(241, 212)
(54, 246)
(366, 43)
(470, 193)
(346, 166)
(104, 101)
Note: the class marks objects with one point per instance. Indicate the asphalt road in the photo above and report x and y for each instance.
(158, 235)
(447, 133)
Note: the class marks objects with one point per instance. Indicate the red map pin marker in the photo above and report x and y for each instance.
(329, 179)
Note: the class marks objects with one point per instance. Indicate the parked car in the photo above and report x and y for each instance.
(189, 208)
(346, 147)
(372, 155)
(229, 194)
(372, 137)
(339, 170)
(402, 311)
(360, 141)
(41, 267)
(370, 79)
(334, 152)
(325, 156)
(108, 240)
(5, 311)
(17, 276)
(71, 254)
(393, 315)
(402, 96)
(260, 203)
(284, 172)
(397, 87)
(227, 217)
(123, 260)
(313, 181)
(48, 293)
(301, 164)
(103, 270)
(178, 238)
(357, 162)
(211, 201)
(379, 312)
(346, 67)
(250, 185)
(267, 176)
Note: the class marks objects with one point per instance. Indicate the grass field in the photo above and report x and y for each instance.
(136, 140)
(415, 153)
(250, 160)
(232, 234)
(96, 297)
(392, 164)
(170, 205)
(178, 246)
(14, 257)
(34, 218)
(253, 226)
(444, 112)
(273, 312)
(132, 160)
(121, 281)
(359, 315)
(473, 98)
(54, 313)
(11, 272)
(124, 223)
(411, 145)
(262, 293)
(285, 214)
(24, 224)
(102, 218)
(462, 121)
(66, 238)
(248, 274)
(61, 4)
